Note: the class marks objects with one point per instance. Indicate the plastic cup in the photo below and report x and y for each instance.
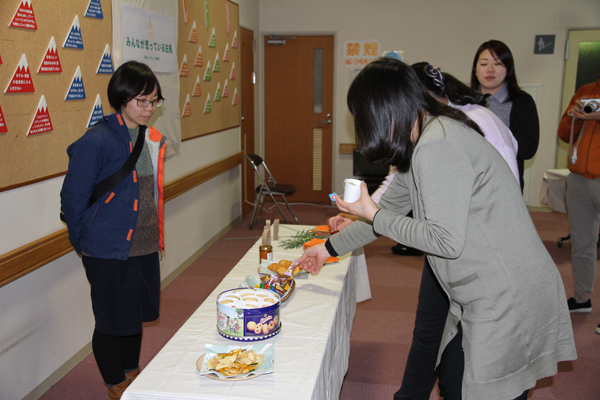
(351, 190)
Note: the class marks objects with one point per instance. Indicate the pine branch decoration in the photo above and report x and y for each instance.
(298, 240)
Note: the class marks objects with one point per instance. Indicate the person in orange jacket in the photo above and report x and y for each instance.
(119, 235)
(583, 189)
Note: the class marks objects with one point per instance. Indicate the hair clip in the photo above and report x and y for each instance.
(435, 74)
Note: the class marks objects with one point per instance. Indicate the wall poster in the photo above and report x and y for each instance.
(208, 46)
(48, 53)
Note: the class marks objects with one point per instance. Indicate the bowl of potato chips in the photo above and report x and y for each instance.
(236, 362)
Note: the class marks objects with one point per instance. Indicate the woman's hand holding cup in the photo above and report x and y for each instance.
(364, 207)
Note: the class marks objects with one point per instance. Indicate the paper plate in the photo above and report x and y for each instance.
(211, 350)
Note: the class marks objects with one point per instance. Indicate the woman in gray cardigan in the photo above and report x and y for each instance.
(470, 219)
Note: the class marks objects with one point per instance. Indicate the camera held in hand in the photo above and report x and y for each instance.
(591, 105)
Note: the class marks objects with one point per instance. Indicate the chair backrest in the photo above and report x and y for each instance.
(255, 161)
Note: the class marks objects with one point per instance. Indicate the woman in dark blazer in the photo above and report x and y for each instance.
(493, 72)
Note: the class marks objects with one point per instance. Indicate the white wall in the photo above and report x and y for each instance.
(45, 317)
(447, 34)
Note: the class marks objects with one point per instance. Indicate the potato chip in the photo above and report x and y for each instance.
(235, 362)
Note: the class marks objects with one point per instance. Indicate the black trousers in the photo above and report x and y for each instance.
(420, 373)
(116, 355)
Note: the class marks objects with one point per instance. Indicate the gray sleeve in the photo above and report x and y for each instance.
(444, 179)
(397, 197)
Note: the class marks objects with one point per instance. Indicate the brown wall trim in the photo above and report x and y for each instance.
(34, 255)
(347, 148)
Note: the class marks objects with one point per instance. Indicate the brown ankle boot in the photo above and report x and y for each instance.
(115, 392)
(133, 374)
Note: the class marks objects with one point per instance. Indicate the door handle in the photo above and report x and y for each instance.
(325, 122)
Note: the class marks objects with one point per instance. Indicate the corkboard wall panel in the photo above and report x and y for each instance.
(223, 114)
(26, 159)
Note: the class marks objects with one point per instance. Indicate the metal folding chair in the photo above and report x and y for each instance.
(268, 187)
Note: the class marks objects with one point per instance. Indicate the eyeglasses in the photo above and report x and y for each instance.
(145, 103)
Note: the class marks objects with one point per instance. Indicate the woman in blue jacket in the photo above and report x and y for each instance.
(120, 234)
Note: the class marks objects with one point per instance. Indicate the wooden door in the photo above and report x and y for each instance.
(298, 114)
(247, 123)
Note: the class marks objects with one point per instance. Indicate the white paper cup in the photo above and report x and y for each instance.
(351, 190)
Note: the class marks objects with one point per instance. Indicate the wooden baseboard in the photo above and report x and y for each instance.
(34, 255)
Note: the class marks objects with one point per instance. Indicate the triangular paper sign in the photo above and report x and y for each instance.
(226, 55)
(74, 39)
(232, 75)
(228, 19)
(187, 108)
(226, 89)
(218, 92)
(186, 11)
(41, 121)
(235, 98)
(198, 62)
(94, 10)
(3, 127)
(183, 71)
(234, 42)
(106, 64)
(206, 15)
(51, 62)
(76, 90)
(24, 16)
(208, 73)
(21, 81)
(97, 112)
(193, 34)
(208, 105)
(197, 89)
(217, 67)
(213, 39)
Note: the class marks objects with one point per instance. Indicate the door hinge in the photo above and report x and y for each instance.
(567, 45)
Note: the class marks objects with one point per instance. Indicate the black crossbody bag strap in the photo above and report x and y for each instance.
(112, 181)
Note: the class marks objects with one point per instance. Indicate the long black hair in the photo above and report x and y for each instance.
(445, 85)
(386, 94)
(503, 53)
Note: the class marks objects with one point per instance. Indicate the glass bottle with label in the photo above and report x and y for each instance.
(266, 253)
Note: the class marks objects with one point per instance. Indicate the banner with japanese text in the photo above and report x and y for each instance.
(358, 53)
(150, 38)
(155, 22)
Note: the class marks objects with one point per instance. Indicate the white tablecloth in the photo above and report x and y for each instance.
(554, 189)
(311, 351)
